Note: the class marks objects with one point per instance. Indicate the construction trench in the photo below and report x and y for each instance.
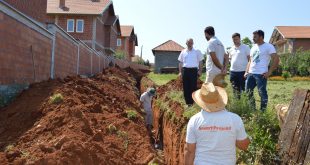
(90, 124)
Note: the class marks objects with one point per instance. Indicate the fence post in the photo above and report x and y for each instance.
(91, 63)
(52, 29)
(78, 60)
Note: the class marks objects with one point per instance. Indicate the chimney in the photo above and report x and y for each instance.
(62, 3)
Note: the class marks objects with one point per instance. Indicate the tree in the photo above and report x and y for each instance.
(247, 41)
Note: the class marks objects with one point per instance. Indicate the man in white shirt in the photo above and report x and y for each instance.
(217, 59)
(146, 99)
(257, 71)
(190, 68)
(239, 55)
(214, 133)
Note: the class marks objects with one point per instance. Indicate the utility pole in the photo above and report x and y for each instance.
(141, 51)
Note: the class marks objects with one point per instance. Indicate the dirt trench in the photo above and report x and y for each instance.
(89, 125)
(169, 122)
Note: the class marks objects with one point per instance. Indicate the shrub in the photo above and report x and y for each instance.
(131, 114)
(298, 63)
(9, 148)
(56, 98)
(120, 54)
(262, 127)
(286, 75)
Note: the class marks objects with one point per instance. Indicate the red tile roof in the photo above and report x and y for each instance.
(91, 7)
(126, 30)
(170, 45)
(294, 31)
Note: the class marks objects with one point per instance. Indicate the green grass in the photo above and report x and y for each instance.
(280, 92)
(56, 98)
(161, 79)
(131, 114)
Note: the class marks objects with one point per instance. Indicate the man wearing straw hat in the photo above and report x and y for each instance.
(214, 133)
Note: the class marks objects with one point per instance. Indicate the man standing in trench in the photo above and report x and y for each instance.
(190, 69)
(146, 99)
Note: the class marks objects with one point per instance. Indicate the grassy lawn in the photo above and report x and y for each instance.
(280, 92)
(161, 79)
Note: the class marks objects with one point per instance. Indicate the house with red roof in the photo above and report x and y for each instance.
(91, 21)
(166, 56)
(288, 39)
(127, 41)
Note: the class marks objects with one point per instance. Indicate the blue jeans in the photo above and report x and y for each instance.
(237, 82)
(251, 82)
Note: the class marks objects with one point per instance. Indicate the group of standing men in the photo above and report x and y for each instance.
(214, 133)
(248, 67)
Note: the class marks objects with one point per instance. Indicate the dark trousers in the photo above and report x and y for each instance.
(238, 82)
(189, 77)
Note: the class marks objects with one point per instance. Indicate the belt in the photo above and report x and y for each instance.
(190, 68)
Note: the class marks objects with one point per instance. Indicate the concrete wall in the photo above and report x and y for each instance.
(166, 59)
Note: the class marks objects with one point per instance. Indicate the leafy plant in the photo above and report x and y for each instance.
(131, 114)
(297, 63)
(9, 148)
(112, 128)
(286, 75)
(120, 54)
(56, 98)
(124, 136)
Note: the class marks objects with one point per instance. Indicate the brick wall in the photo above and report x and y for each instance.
(65, 57)
(28, 49)
(85, 60)
(88, 26)
(25, 54)
(302, 43)
(38, 14)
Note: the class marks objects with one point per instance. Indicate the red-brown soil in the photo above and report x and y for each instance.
(76, 131)
(171, 132)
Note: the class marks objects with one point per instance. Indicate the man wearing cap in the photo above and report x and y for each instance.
(190, 68)
(217, 59)
(257, 71)
(214, 133)
(239, 55)
(146, 99)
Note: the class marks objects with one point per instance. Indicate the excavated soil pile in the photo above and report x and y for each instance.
(89, 125)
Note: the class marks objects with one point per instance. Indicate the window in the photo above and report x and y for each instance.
(70, 25)
(119, 42)
(79, 26)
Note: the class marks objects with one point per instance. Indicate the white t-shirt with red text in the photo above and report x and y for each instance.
(215, 135)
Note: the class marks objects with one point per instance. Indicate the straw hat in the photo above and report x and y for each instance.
(219, 80)
(210, 98)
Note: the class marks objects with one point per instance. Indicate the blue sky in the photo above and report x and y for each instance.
(157, 21)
